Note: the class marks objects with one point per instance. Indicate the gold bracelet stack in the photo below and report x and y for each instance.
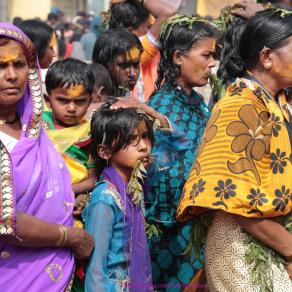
(63, 235)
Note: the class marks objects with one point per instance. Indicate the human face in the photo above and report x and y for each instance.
(282, 64)
(126, 69)
(197, 63)
(139, 149)
(68, 109)
(13, 73)
(47, 59)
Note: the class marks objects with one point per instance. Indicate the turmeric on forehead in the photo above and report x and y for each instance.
(75, 90)
(53, 41)
(9, 54)
(133, 54)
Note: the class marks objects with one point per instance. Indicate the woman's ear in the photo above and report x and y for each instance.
(103, 152)
(266, 58)
(177, 57)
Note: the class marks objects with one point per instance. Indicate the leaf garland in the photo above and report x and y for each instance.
(282, 12)
(217, 86)
(152, 230)
(260, 257)
(198, 234)
(168, 24)
(224, 20)
(135, 188)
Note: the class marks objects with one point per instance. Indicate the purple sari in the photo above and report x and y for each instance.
(134, 238)
(33, 180)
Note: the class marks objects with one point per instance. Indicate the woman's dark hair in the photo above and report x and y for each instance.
(68, 72)
(102, 78)
(111, 43)
(17, 20)
(179, 36)
(128, 14)
(115, 130)
(39, 33)
(229, 54)
(267, 28)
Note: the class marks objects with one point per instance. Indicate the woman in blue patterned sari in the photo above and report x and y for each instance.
(187, 49)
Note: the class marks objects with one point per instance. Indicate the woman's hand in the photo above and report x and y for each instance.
(131, 102)
(80, 241)
(247, 8)
(289, 269)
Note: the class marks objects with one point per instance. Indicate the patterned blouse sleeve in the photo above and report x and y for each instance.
(169, 145)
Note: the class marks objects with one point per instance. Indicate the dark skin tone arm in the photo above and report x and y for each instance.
(269, 232)
(34, 232)
(86, 185)
(131, 102)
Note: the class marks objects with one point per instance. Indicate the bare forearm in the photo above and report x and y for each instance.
(83, 187)
(155, 28)
(268, 231)
(159, 7)
(33, 232)
(86, 185)
(156, 115)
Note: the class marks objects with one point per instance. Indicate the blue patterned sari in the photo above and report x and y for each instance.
(188, 116)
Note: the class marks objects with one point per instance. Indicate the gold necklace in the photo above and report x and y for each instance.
(3, 122)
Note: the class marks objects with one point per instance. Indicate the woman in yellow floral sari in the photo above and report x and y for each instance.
(243, 167)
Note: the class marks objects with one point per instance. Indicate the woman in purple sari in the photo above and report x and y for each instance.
(37, 240)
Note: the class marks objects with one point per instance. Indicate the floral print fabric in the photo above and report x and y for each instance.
(243, 164)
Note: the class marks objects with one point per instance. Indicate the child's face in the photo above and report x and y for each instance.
(69, 105)
(139, 149)
(126, 68)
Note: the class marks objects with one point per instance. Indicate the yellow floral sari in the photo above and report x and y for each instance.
(243, 165)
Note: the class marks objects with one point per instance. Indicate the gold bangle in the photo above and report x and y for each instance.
(63, 236)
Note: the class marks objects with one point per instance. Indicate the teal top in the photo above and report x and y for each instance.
(104, 220)
(188, 116)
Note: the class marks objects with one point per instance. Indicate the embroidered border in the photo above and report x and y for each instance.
(115, 195)
(7, 202)
(52, 270)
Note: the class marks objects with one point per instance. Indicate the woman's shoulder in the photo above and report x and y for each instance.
(239, 94)
(165, 91)
(105, 192)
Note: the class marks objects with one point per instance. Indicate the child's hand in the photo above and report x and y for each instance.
(80, 203)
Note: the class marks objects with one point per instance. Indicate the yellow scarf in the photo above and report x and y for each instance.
(66, 137)
(243, 165)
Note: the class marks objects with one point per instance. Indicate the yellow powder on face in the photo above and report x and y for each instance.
(214, 44)
(151, 19)
(53, 41)
(133, 54)
(75, 91)
(287, 72)
(9, 54)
